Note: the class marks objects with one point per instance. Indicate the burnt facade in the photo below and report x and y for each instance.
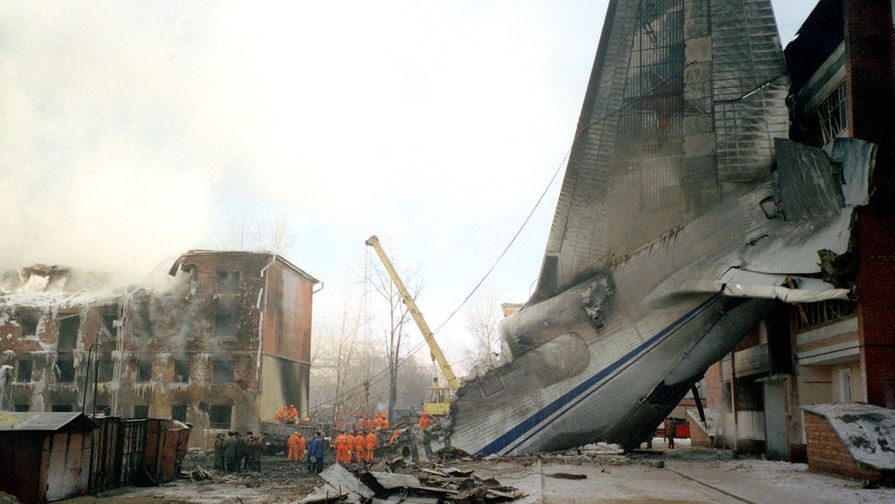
(222, 347)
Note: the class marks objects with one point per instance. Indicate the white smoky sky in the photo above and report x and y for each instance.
(133, 131)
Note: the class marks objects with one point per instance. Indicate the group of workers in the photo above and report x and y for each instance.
(300, 450)
(287, 415)
(379, 422)
(358, 445)
(235, 452)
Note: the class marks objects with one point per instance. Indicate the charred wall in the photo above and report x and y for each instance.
(191, 352)
(286, 344)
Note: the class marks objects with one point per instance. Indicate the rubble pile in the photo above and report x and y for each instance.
(432, 484)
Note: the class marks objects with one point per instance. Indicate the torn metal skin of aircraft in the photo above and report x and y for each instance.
(620, 327)
(584, 369)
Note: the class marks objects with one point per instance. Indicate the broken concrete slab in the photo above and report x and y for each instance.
(341, 479)
(392, 481)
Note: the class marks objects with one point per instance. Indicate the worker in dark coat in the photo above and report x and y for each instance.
(255, 451)
(219, 452)
(229, 445)
(316, 449)
(242, 450)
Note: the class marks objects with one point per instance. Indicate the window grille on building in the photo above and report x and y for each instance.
(833, 114)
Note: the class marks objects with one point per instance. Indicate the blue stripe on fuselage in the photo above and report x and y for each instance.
(513, 435)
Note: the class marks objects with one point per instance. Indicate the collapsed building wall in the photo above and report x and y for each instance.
(197, 351)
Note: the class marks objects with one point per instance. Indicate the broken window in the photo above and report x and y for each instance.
(65, 369)
(833, 114)
(23, 374)
(225, 325)
(28, 320)
(21, 408)
(181, 370)
(178, 412)
(105, 368)
(141, 411)
(109, 323)
(228, 282)
(809, 315)
(144, 370)
(223, 371)
(219, 416)
(68, 332)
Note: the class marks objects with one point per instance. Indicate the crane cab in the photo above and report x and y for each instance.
(438, 400)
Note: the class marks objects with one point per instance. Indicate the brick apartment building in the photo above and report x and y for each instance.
(222, 348)
(840, 66)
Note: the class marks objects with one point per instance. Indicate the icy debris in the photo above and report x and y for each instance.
(435, 484)
(867, 431)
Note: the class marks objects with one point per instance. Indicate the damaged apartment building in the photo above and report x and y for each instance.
(222, 347)
(831, 351)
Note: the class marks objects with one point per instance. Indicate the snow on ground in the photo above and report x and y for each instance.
(867, 431)
(772, 481)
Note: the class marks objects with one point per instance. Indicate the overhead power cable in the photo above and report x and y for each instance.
(383, 373)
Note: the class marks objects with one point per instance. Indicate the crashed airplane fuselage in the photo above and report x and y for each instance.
(683, 130)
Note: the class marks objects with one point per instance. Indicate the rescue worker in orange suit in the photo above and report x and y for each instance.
(366, 424)
(395, 436)
(349, 446)
(292, 414)
(424, 420)
(384, 423)
(341, 448)
(372, 441)
(360, 447)
(281, 414)
(302, 444)
(294, 444)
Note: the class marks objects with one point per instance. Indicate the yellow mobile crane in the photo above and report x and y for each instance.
(438, 398)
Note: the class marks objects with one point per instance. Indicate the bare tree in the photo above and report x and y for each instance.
(344, 342)
(277, 236)
(482, 320)
(397, 317)
(248, 232)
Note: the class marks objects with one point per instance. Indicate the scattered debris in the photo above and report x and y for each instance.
(199, 474)
(568, 476)
(420, 485)
(344, 481)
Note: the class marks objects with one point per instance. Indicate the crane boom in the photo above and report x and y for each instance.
(373, 241)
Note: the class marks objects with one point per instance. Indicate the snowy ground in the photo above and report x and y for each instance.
(658, 476)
